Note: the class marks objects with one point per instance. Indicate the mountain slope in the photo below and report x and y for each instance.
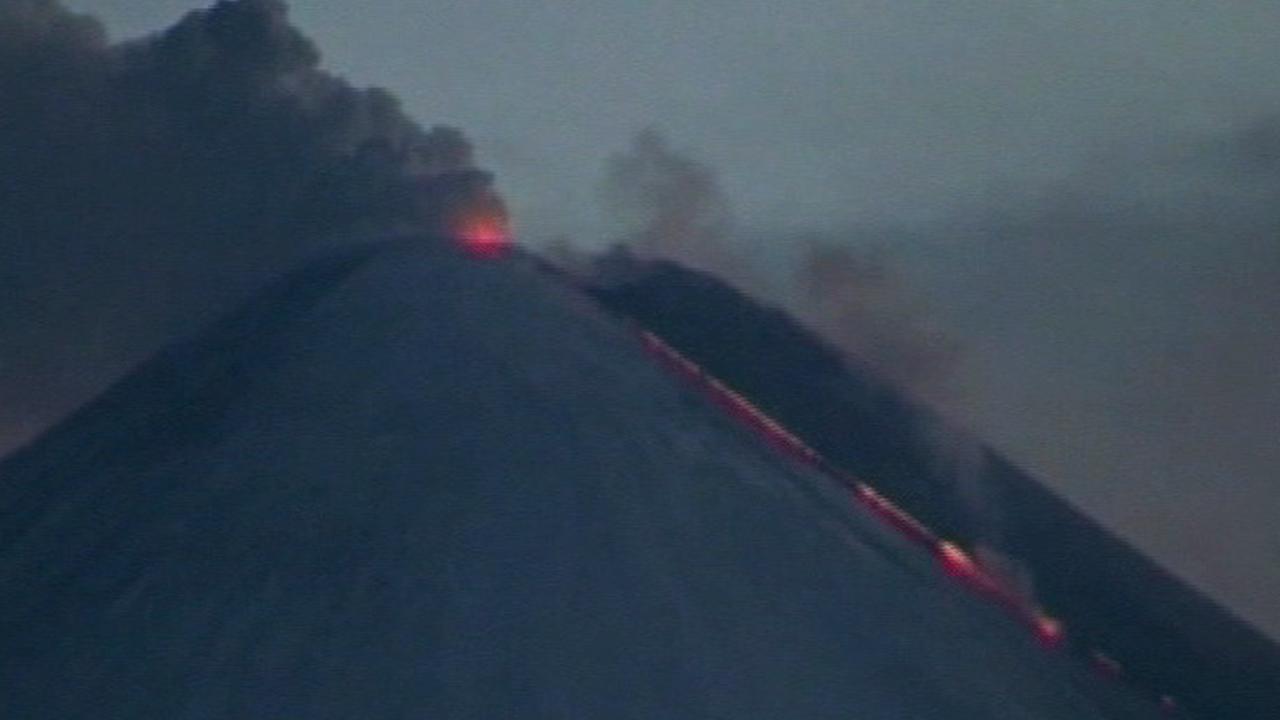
(408, 483)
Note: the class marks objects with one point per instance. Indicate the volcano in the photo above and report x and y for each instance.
(407, 481)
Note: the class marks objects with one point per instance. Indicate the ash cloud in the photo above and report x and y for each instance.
(149, 184)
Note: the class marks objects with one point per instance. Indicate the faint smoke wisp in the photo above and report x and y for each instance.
(861, 304)
(672, 206)
(669, 205)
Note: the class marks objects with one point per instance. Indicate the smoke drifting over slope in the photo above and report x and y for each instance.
(861, 304)
(1122, 333)
(149, 183)
(673, 207)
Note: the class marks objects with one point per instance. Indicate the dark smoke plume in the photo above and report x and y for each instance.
(148, 184)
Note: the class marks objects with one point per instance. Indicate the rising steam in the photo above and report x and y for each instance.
(672, 206)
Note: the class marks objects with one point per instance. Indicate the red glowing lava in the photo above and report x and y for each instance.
(484, 236)
(898, 518)
(1049, 631)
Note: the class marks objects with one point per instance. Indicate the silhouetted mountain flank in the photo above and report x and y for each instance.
(1167, 636)
(406, 482)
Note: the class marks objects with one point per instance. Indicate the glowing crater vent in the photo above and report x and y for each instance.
(482, 235)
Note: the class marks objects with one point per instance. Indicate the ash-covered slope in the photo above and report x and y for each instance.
(409, 483)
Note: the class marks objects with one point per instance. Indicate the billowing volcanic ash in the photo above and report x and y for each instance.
(149, 184)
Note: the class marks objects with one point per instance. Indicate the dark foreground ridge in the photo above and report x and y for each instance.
(407, 482)
(1157, 631)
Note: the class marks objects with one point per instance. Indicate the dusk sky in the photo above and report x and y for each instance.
(1083, 195)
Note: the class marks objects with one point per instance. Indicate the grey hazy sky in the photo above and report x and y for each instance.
(1057, 177)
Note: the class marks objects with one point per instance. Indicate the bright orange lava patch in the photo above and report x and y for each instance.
(1049, 631)
(484, 237)
(956, 561)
